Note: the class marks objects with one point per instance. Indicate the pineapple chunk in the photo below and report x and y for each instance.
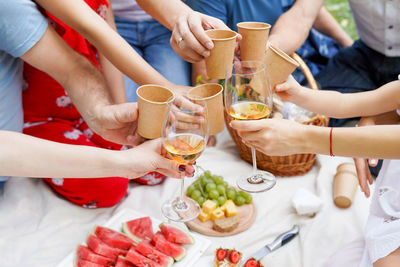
(204, 216)
(230, 208)
(217, 214)
(209, 206)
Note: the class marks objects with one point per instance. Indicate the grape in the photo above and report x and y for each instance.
(239, 200)
(219, 180)
(225, 184)
(246, 196)
(231, 193)
(190, 189)
(210, 186)
(208, 174)
(221, 200)
(213, 194)
(200, 200)
(205, 195)
(195, 194)
(221, 189)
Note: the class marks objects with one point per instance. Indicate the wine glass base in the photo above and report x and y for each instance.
(260, 182)
(178, 211)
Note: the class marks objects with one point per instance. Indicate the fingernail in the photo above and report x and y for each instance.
(373, 161)
(209, 45)
(206, 54)
(182, 168)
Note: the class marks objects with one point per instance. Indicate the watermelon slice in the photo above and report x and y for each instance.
(83, 263)
(168, 248)
(138, 229)
(86, 254)
(122, 262)
(139, 260)
(149, 251)
(101, 248)
(113, 238)
(176, 234)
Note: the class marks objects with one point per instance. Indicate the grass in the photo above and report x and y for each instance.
(341, 11)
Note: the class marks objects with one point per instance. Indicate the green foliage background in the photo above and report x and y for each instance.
(341, 11)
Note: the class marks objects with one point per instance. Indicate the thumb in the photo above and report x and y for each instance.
(248, 126)
(281, 87)
(126, 112)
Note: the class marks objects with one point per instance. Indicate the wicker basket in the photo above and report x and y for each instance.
(291, 165)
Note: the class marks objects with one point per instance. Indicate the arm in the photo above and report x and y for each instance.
(112, 75)
(292, 28)
(327, 24)
(23, 155)
(384, 99)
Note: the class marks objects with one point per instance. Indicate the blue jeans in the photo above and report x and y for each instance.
(357, 69)
(2, 184)
(151, 40)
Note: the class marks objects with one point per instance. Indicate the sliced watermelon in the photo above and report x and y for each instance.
(86, 254)
(168, 248)
(138, 229)
(140, 261)
(113, 238)
(122, 262)
(149, 251)
(176, 234)
(83, 263)
(101, 248)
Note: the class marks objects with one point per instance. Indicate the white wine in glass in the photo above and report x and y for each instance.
(185, 135)
(248, 96)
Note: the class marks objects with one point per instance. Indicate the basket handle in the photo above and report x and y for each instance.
(306, 70)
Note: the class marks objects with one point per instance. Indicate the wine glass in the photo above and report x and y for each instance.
(248, 96)
(184, 135)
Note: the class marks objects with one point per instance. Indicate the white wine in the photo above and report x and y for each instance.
(184, 148)
(248, 110)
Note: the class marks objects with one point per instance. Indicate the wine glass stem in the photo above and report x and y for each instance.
(253, 156)
(182, 189)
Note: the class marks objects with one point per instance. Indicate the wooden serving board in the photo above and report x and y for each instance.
(247, 214)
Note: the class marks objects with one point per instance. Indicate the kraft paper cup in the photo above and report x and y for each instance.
(153, 102)
(279, 65)
(212, 94)
(344, 187)
(347, 167)
(254, 39)
(221, 56)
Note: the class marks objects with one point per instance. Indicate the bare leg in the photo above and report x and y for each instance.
(391, 260)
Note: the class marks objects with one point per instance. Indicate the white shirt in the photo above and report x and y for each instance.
(130, 10)
(378, 24)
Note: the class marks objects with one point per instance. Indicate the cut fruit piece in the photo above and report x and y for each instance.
(138, 229)
(113, 238)
(87, 254)
(123, 262)
(140, 261)
(234, 256)
(168, 248)
(149, 251)
(83, 263)
(221, 254)
(101, 248)
(176, 234)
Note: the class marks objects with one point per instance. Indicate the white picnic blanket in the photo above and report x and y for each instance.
(38, 228)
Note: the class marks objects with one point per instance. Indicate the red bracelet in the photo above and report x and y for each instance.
(330, 143)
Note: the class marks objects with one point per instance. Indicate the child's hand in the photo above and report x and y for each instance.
(288, 90)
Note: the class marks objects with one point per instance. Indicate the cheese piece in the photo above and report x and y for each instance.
(204, 216)
(229, 208)
(209, 206)
(217, 214)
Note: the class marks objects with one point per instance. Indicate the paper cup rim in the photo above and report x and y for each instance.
(243, 25)
(288, 58)
(222, 39)
(205, 85)
(153, 102)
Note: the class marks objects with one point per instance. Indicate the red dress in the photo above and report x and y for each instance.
(49, 114)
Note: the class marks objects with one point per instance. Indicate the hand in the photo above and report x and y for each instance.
(150, 156)
(274, 137)
(116, 123)
(288, 90)
(363, 173)
(189, 39)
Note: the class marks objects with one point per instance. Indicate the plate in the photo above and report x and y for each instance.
(193, 252)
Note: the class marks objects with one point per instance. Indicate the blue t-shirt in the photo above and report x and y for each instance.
(315, 51)
(21, 27)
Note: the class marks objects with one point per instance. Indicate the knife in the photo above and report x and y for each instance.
(280, 241)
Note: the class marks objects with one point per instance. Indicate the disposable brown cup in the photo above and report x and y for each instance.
(279, 65)
(221, 56)
(153, 101)
(347, 166)
(212, 94)
(254, 39)
(344, 187)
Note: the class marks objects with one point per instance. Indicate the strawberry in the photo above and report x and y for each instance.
(252, 263)
(221, 254)
(234, 256)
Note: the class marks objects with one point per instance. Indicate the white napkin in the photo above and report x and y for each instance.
(306, 203)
